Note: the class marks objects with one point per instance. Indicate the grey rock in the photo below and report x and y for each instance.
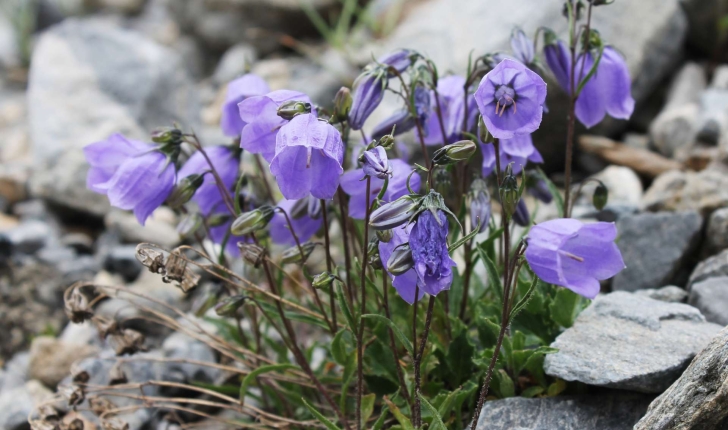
(16, 372)
(625, 193)
(711, 297)
(656, 247)
(90, 79)
(30, 236)
(613, 411)
(158, 229)
(716, 236)
(669, 293)
(698, 399)
(630, 342)
(181, 346)
(711, 267)
(122, 260)
(9, 55)
(235, 62)
(17, 404)
(120, 6)
(676, 190)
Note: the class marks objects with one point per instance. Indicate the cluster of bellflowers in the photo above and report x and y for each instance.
(411, 207)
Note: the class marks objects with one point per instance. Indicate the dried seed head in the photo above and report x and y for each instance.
(74, 394)
(117, 375)
(150, 258)
(76, 303)
(127, 341)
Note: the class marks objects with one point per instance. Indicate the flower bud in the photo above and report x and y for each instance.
(483, 133)
(401, 260)
(394, 214)
(251, 253)
(479, 207)
(375, 261)
(538, 188)
(376, 164)
(252, 221)
(342, 104)
(450, 154)
(384, 235)
(307, 206)
(287, 110)
(229, 306)
(167, 135)
(189, 224)
(296, 255)
(509, 192)
(184, 191)
(521, 215)
(322, 280)
(600, 197)
(386, 141)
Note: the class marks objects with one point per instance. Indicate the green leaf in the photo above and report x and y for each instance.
(259, 371)
(532, 391)
(565, 307)
(506, 386)
(488, 332)
(460, 359)
(436, 419)
(380, 385)
(344, 305)
(558, 199)
(556, 388)
(453, 246)
(447, 404)
(399, 416)
(494, 281)
(325, 421)
(367, 408)
(338, 347)
(379, 423)
(397, 332)
(524, 300)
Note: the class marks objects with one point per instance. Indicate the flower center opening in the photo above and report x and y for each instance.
(504, 96)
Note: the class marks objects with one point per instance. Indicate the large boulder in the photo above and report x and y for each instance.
(711, 297)
(90, 79)
(699, 399)
(656, 248)
(630, 342)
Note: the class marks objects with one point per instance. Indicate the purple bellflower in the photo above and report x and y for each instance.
(304, 226)
(403, 119)
(248, 85)
(452, 103)
(522, 47)
(406, 283)
(260, 113)
(510, 99)
(133, 175)
(376, 163)
(397, 187)
(308, 158)
(428, 241)
(607, 92)
(226, 163)
(574, 255)
(518, 150)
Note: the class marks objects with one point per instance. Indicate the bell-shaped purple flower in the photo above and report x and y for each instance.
(518, 150)
(403, 119)
(226, 163)
(399, 60)
(304, 226)
(367, 94)
(521, 216)
(609, 91)
(428, 240)
(522, 47)
(574, 255)
(260, 113)
(248, 85)
(376, 163)
(558, 59)
(451, 95)
(133, 175)
(510, 99)
(352, 185)
(308, 158)
(406, 283)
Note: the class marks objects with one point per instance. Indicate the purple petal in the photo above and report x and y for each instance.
(304, 227)
(618, 98)
(558, 59)
(325, 172)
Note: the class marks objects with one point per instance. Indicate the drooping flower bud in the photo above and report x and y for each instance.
(384, 235)
(342, 104)
(296, 255)
(376, 164)
(537, 187)
(394, 214)
(479, 205)
(229, 306)
(251, 253)
(189, 224)
(184, 190)
(252, 221)
(322, 280)
(451, 154)
(522, 47)
(509, 193)
(600, 197)
(483, 133)
(289, 109)
(521, 215)
(167, 135)
(401, 260)
(375, 261)
(368, 92)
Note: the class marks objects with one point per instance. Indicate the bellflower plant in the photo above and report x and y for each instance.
(260, 113)
(308, 157)
(248, 85)
(306, 261)
(510, 99)
(133, 175)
